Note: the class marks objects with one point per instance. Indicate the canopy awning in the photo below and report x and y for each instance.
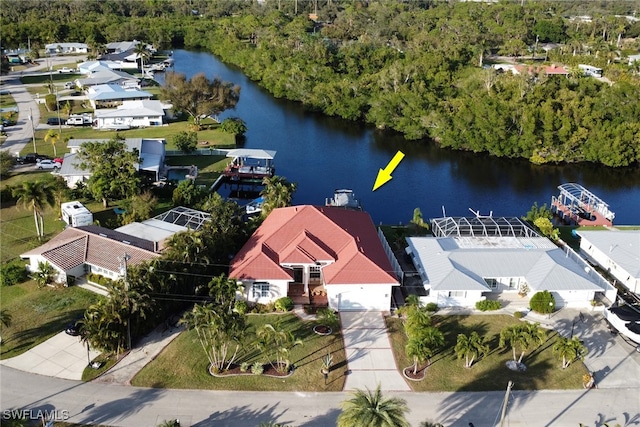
(252, 153)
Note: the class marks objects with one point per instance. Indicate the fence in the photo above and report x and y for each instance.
(392, 258)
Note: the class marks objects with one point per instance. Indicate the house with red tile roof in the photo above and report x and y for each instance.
(90, 249)
(302, 251)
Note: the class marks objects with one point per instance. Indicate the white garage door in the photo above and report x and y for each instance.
(378, 299)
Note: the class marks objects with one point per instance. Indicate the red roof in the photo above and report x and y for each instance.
(76, 246)
(305, 234)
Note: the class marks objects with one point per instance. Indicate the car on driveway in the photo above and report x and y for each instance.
(48, 164)
(73, 328)
(54, 121)
(66, 70)
(58, 160)
(32, 158)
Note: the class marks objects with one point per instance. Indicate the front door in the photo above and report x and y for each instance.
(297, 274)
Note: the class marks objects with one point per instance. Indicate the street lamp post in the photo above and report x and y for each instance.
(550, 308)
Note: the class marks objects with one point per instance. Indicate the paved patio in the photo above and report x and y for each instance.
(370, 359)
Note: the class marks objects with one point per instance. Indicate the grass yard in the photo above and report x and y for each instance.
(447, 372)
(38, 314)
(183, 364)
(6, 100)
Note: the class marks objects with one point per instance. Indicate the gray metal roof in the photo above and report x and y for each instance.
(622, 246)
(444, 264)
(252, 153)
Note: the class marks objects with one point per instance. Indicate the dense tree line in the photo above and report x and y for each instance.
(414, 67)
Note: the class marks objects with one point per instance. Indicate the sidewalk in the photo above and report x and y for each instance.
(143, 353)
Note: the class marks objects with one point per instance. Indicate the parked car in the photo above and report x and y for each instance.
(58, 160)
(54, 121)
(73, 328)
(69, 85)
(66, 70)
(48, 164)
(32, 158)
(7, 122)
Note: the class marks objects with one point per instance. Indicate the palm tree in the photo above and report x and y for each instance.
(524, 335)
(418, 350)
(35, 195)
(143, 54)
(277, 193)
(275, 340)
(53, 137)
(367, 408)
(470, 347)
(569, 350)
(45, 274)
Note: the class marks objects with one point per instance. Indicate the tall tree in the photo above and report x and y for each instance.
(372, 409)
(53, 137)
(277, 193)
(200, 97)
(275, 342)
(35, 195)
(143, 54)
(112, 167)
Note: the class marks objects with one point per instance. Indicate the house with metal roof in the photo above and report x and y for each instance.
(615, 251)
(112, 95)
(65, 48)
(316, 254)
(152, 155)
(131, 114)
(468, 259)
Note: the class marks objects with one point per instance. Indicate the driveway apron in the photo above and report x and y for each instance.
(370, 360)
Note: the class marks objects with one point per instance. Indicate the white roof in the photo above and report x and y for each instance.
(622, 246)
(451, 263)
(152, 229)
(113, 91)
(252, 153)
(137, 108)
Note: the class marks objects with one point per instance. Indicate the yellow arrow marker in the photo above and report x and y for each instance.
(384, 175)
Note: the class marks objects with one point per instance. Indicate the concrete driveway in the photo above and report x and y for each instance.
(370, 359)
(61, 356)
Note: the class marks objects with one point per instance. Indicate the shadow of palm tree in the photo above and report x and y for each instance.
(244, 416)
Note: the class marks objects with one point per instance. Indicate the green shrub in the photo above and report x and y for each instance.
(241, 307)
(488, 305)
(518, 315)
(51, 102)
(432, 307)
(244, 366)
(543, 302)
(257, 368)
(283, 304)
(13, 273)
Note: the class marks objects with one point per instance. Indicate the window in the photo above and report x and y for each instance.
(493, 283)
(314, 272)
(457, 294)
(260, 290)
(513, 283)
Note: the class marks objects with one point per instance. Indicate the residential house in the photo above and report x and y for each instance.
(90, 249)
(65, 48)
(469, 259)
(615, 251)
(89, 67)
(131, 114)
(152, 155)
(113, 95)
(529, 69)
(102, 76)
(307, 251)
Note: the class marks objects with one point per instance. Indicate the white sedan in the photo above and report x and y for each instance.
(48, 164)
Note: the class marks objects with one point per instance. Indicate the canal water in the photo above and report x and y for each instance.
(322, 154)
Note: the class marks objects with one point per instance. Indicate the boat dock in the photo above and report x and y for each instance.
(250, 164)
(578, 206)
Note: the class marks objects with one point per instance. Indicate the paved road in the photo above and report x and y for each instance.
(21, 134)
(117, 405)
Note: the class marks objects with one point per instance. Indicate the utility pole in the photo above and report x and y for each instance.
(58, 110)
(33, 132)
(506, 401)
(123, 271)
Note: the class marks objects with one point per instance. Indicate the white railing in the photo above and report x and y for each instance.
(391, 256)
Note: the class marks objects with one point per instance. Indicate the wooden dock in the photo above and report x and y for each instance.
(577, 205)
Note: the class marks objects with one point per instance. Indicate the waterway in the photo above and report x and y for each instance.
(321, 154)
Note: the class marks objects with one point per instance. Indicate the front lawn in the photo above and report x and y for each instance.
(38, 314)
(447, 373)
(183, 364)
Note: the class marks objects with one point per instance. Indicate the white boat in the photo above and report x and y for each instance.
(344, 198)
(255, 206)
